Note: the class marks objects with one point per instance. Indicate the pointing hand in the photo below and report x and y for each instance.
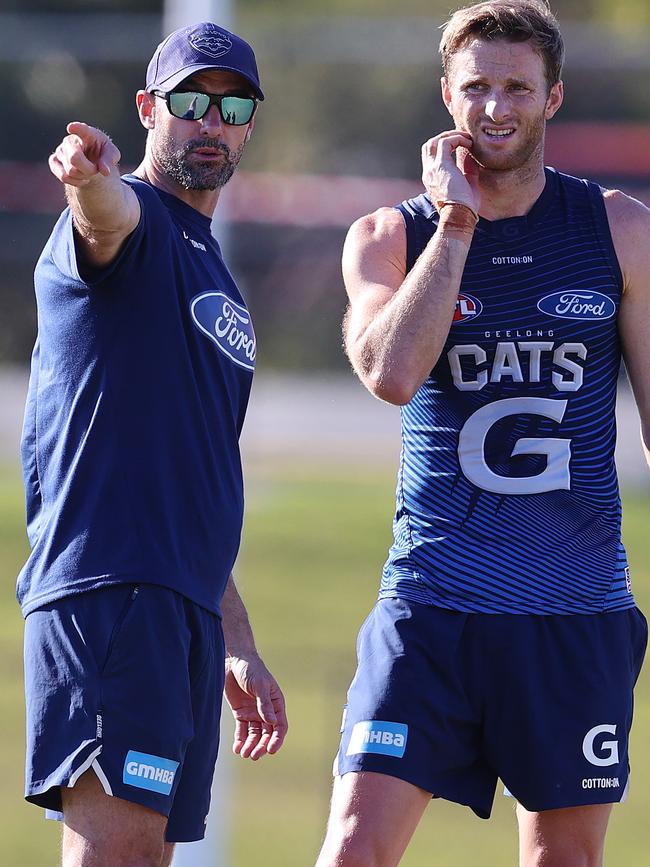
(83, 155)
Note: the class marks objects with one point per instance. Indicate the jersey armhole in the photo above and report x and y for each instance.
(603, 232)
(409, 225)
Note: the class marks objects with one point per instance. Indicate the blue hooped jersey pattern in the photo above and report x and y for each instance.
(140, 379)
(507, 495)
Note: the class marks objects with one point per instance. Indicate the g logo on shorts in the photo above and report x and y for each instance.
(611, 757)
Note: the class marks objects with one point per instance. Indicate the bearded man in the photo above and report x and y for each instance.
(140, 379)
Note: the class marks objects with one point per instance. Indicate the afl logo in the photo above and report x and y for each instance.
(577, 305)
(227, 324)
(467, 308)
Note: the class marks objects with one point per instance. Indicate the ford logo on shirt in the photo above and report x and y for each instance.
(228, 325)
(577, 305)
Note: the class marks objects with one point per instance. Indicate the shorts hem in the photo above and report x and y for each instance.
(591, 798)
(439, 792)
(185, 837)
(47, 793)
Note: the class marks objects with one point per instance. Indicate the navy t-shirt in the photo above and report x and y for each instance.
(139, 384)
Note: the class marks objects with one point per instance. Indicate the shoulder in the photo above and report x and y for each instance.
(629, 223)
(380, 235)
(374, 256)
(382, 224)
(144, 191)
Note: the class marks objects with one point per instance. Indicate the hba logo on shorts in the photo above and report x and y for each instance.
(228, 325)
(577, 305)
(149, 772)
(608, 749)
(378, 736)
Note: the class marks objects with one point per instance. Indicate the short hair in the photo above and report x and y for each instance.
(514, 20)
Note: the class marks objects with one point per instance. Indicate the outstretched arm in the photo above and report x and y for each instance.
(252, 692)
(105, 210)
(397, 324)
(630, 226)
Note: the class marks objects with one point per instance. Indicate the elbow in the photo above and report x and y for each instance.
(398, 390)
(387, 379)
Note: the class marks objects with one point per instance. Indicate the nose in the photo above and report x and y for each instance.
(497, 107)
(211, 122)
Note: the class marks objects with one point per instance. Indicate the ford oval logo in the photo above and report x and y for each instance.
(227, 324)
(577, 305)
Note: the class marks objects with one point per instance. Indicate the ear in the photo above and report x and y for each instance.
(446, 93)
(146, 104)
(555, 99)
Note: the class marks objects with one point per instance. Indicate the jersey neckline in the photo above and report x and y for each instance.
(178, 206)
(512, 228)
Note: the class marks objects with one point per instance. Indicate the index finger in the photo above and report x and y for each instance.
(87, 134)
(281, 726)
(447, 143)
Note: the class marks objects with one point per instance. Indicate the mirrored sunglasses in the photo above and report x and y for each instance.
(193, 105)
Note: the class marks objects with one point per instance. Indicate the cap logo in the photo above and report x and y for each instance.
(214, 46)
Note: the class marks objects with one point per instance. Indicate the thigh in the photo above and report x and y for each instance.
(571, 837)
(559, 705)
(410, 712)
(372, 820)
(99, 829)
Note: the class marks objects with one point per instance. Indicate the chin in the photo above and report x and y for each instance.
(504, 162)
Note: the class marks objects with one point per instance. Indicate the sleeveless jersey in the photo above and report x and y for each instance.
(507, 494)
(140, 379)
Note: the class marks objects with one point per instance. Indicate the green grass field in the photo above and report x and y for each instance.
(315, 539)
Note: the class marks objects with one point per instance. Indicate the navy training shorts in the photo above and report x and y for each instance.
(126, 680)
(450, 702)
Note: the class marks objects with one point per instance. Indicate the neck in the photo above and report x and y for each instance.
(203, 201)
(511, 193)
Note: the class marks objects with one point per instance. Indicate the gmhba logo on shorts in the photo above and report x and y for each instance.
(378, 736)
(149, 772)
(228, 325)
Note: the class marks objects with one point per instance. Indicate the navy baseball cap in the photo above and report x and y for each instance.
(197, 47)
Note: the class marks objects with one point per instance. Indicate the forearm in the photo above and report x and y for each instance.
(401, 345)
(237, 631)
(104, 206)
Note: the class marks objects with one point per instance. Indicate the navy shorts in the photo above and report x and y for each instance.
(126, 680)
(450, 702)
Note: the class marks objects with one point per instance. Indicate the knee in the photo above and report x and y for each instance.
(346, 846)
(569, 854)
(121, 852)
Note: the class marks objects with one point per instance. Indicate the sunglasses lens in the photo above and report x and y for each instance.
(237, 110)
(189, 106)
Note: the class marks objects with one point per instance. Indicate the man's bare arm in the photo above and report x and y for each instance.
(630, 226)
(397, 324)
(105, 210)
(256, 700)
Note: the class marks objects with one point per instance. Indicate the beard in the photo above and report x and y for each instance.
(195, 174)
(531, 144)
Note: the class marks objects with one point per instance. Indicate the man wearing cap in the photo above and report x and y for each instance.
(140, 378)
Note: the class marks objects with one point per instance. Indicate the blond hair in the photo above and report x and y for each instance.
(514, 20)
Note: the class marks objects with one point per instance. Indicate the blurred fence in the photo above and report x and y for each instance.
(349, 102)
